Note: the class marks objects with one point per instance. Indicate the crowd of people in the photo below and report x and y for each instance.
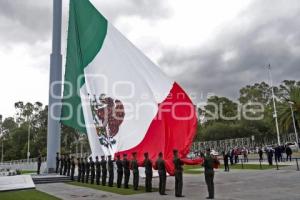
(236, 155)
(101, 171)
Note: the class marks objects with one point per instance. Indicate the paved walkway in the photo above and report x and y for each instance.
(237, 184)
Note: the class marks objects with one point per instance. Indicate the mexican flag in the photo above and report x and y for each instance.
(117, 96)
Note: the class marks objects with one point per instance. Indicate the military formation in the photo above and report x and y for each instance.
(99, 171)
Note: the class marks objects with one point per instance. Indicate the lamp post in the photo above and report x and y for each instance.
(274, 105)
(1, 138)
(28, 140)
(294, 123)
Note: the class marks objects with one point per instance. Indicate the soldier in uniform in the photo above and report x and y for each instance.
(161, 167)
(148, 171)
(110, 171)
(39, 163)
(82, 170)
(104, 170)
(98, 171)
(135, 171)
(119, 171)
(79, 170)
(68, 165)
(92, 164)
(87, 170)
(208, 164)
(72, 168)
(126, 166)
(65, 164)
(57, 162)
(61, 164)
(178, 174)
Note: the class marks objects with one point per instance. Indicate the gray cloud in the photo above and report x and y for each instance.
(30, 21)
(152, 10)
(24, 21)
(268, 32)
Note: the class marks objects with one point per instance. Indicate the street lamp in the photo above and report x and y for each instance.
(274, 105)
(1, 138)
(28, 142)
(294, 123)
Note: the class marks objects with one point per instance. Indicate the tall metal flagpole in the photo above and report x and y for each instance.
(54, 106)
(274, 105)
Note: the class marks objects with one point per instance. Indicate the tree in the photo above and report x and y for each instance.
(259, 92)
(290, 96)
(221, 109)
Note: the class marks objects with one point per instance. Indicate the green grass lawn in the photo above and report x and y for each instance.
(121, 191)
(27, 171)
(195, 169)
(31, 194)
(192, 169)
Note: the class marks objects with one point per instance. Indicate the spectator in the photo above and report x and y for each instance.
(289, 153)
(260, 153)
(270, 156)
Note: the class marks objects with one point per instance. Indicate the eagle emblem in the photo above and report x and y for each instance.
(108, 115)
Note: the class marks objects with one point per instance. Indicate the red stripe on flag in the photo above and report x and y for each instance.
(174, 127)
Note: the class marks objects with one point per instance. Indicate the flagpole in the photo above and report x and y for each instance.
(274, 105)
(55, 84)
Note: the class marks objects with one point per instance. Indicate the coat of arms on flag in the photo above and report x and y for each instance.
(108, 115)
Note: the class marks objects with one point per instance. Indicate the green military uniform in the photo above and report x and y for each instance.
(110, 171)
(87, 171)
(57, 162)
(61, 165)
(135, 172)
(178, 176)
(149, 173)
(98, 171)
(104, 170)
(126, 172)
(65, 165)
(92, 164)
(209, 174)
(161, 167)
(82, 170)
(79, 170)
(119, 171)
(68, 166)
(72, 168)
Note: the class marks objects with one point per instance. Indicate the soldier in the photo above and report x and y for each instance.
(57, 162)
(68, 165)
(135, 171)
(61, 164)
(104, 170)
(110, 171)
(79, 170)
(161, 167)
(92, 164)
(82, 170)
(148, 171)
(119, 171)
(126, 167)
(208, 164)
(72, 168)
(98, 171)
(65, 165)
(87, 170)
(39, 163)
(225, 158)
(178, 174)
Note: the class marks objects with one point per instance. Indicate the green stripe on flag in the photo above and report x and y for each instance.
(86, 34)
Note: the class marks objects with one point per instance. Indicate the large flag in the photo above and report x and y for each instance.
(116, 95)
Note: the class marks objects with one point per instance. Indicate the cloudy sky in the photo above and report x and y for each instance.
(208, 46)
